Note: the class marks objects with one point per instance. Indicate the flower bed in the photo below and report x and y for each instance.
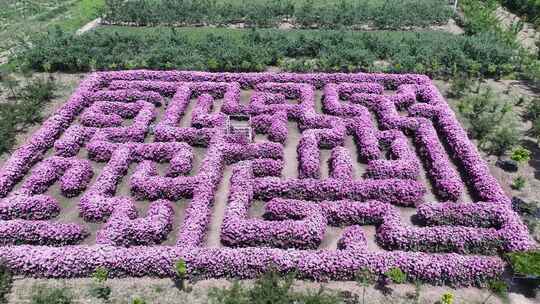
(115, 118)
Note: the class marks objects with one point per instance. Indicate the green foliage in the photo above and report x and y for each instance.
(529, 9)
(138, 301)
(180, 279)
(181, 268)
(518, 183)
(396, 275)
(236, 294)
(47, 295)
(521, 155)
(498, 287)
(460, 84)
(447, 298)
(505, 137)
(24, 108)
(270, 288)
(365, 277)
(479, 16)
(99, 289)
(525, 263)
(432, 53)
(100, 275)
(532, 111)
(20, 19)
(491, 121)
(270, 13)
(6, 280)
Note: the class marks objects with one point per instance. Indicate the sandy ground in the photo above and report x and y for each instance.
(160, 291)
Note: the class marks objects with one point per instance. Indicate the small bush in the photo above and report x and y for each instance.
(100, 275)
(521, 155)
(447, 298)
(525, 263)
(532, 111)
(505, 137)
(518, 183)
(180, 278)
(491, 121)
(6, 280)
(98, 288)
(496, 287)
(47, 295)
(396, 275)
(460, 85)
(24, 109)
(270, 288)
(138, 301)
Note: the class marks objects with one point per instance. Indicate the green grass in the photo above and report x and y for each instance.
(22, 18)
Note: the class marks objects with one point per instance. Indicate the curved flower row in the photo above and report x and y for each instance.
(236, 230)
(74, 175)
(403, 163)
(124, 228)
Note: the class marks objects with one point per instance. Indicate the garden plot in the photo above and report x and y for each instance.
(346, 171)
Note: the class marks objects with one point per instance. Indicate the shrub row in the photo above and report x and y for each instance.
(432, 53)
(268, 13)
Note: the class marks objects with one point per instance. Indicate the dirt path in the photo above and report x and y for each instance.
(162, 291)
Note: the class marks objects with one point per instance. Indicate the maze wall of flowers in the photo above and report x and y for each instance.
(163, 136)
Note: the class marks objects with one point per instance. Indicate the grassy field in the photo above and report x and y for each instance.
(20, 18)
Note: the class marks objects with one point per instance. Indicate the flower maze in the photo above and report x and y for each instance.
(346, 172)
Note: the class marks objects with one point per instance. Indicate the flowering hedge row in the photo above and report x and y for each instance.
(341, 164)
(298, 209)
(73, 174)
(403, 163)
(99, 129)
(237, 230)
(14, 232)
(395, 191)
(158, 261)
(124, 228)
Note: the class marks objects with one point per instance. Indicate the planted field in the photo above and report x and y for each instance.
(433, 53)
(269, 13)
(346, 171)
